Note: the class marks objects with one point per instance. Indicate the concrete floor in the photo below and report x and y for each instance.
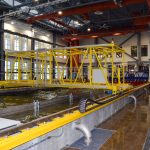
(130, 127)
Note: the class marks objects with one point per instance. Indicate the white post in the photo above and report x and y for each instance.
(71, 99)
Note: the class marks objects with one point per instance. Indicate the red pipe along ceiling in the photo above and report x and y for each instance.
(112, 32)
(81, 10)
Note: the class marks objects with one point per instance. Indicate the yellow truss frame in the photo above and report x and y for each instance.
(44, 57)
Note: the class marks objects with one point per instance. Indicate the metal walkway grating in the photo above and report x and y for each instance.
(99, 137)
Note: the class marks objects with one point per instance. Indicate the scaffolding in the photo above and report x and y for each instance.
(90, 66)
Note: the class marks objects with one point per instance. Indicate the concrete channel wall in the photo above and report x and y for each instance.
(66, 135)
(12, 110)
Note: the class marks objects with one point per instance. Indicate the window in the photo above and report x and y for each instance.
(144, 50)
(7, 41)
(100, 56)
(25, 69)
(65, 73)
(48, 71)
(41, 45)
(109, 55)
(62, 73)
(24, 76)
(56, 72)
(48, 46)
(8, 70)
(118, 55)
(134, 51)
(34, 67)
(16, 71)
(85, 55)
(56, 54)
(65, 56)
(36, 45)
(61, 55)
(24, 44)
(25, 64)
(16, 43)
(41, 69)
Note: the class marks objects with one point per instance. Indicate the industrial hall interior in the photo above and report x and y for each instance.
(74, 74)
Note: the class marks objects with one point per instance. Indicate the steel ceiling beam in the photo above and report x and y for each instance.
(64, 25)
(26, 9)
(141, 20)
(126, 40)
(148, 3)
(81, 10)
(110, 32)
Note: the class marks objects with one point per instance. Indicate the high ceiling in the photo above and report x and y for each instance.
(81, 18)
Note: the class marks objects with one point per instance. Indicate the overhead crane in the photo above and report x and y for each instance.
(41, 75)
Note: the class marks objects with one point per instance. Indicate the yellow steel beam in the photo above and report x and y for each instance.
(44, 57)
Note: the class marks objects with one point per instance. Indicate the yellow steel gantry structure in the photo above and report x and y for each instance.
(41, 75)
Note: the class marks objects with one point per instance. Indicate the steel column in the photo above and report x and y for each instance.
(149, 70)
(139, 47)
(96, 42)
(2, 52)
(53, 60)
(32, 61)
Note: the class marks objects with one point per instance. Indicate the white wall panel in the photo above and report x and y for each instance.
(145, 40)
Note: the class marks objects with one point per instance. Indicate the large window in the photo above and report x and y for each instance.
(118, 55)
(48, 46)
(8, 70)
(134, 51)
(64, 72)
(85, 55)
(16, 71)
(16, 43)
(36, 45)
(56, 72)
(24, 44)
(7, 41)
(41, 45)
(144, 50)
(25, 70)
(65, 56)
(48, 72)
(35, 70)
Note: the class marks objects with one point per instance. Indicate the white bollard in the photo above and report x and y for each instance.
(36, 106)
(71, 99)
